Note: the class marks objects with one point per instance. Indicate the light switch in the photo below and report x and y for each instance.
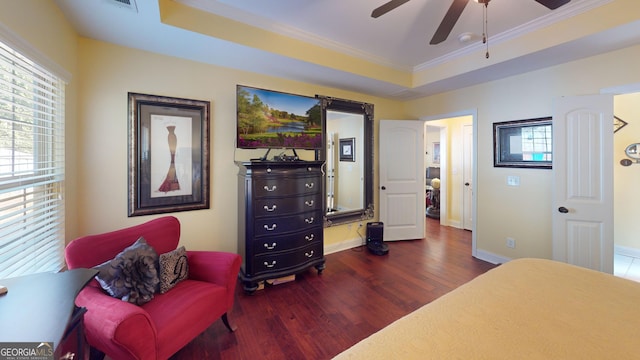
(513, 180)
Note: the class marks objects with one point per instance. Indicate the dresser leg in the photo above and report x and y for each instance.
(320, 267)
(250, 287)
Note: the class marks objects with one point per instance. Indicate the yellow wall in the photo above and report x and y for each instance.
(106, 73)
(524, 212)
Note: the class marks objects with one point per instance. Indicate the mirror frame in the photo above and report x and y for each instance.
(366, 110)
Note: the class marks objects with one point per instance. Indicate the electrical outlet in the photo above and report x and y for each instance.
(511, 243)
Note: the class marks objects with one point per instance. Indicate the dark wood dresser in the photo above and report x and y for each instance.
(280, 217)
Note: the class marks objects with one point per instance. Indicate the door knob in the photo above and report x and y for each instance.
(383, 188)
(563, 209)
(466, 184)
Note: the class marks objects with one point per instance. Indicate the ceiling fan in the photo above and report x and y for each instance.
(452, 15)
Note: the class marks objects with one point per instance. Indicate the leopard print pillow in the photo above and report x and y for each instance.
(173, 268)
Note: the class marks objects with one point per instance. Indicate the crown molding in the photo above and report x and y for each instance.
(219, 8)
(557, 15)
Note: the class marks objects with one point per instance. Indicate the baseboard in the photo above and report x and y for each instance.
(491, 257)
(627, 251)
(343, 245)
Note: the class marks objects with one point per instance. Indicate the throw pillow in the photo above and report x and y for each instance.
(132, 275)
(173, 268)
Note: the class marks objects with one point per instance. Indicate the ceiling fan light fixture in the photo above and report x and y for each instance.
(466, 37)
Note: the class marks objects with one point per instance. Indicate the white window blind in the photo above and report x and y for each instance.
(31, 167)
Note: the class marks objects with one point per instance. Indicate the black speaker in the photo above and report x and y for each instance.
(375, 239)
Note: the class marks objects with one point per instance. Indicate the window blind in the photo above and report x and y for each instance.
(31, 167)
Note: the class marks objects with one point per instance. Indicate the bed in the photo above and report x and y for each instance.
(523, 309)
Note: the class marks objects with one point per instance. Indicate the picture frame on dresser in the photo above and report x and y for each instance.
(168, 148)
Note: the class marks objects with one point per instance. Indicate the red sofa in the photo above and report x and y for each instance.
(161, 327)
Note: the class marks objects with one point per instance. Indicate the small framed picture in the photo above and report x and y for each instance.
(347, 149)
(436, 153)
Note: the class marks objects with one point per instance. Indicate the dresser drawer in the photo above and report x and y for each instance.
(273, 244)
(284, 186)
(284, 206)
(285, 260)
(282, 169)
(284, 224)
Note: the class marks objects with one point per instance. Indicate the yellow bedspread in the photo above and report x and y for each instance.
(524, 309)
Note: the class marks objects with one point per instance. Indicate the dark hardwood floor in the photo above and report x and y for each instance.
(319, 316)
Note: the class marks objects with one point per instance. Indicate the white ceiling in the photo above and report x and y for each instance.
(397, 40)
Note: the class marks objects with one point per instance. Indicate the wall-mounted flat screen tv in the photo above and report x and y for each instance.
(272, 119)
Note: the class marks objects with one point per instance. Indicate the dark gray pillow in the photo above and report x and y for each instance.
(132, 275)
(173, 268)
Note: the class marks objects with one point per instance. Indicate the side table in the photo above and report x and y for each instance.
(41, 308)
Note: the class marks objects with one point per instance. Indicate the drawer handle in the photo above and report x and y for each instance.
(270, 209)
(309, 220)
(273, 263)
(309, 185)
(273, 188)
(309, 237)
(309, 254)
(309, 203)
(270, 247)
(268, 170)
(270, 228)
(309, 169)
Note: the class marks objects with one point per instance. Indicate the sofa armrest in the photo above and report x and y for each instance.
(216, 267)
(115, 327)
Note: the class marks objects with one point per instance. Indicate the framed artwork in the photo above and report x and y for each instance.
(347, 149)
(168, 154)
(436, 153)
(523, 143)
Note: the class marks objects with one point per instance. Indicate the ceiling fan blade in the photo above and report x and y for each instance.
(553, 4)
(385, 8)
(449, 21)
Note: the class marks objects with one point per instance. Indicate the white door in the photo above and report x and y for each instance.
(467, 178)
(402, 179)
(583, 181)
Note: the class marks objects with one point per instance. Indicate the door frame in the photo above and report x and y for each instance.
(474, 156)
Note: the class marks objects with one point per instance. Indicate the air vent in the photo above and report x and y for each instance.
(124, 4)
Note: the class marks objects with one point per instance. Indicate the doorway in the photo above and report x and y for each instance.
(625, 178)
(452, 129)
(449, 148)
